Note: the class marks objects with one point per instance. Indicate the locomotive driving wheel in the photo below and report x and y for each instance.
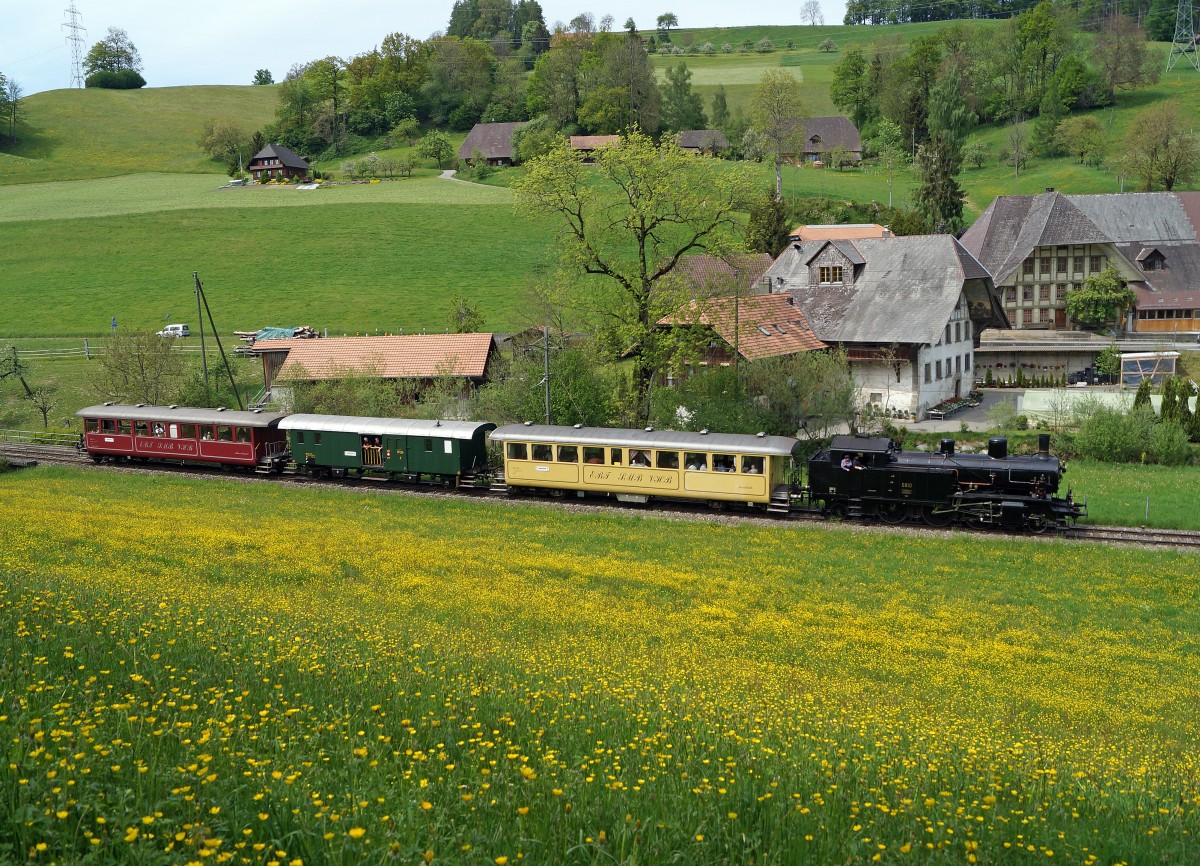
(933, 517)
(1037, 523)
(892, 512)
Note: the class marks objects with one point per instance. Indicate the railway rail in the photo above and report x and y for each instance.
(23, 451)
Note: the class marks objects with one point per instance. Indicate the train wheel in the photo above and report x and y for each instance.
(836, 510)
(97, 458)
(1037, 523)
(935, 518)
(892, 512)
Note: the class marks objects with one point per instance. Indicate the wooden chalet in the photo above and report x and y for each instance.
(493, 140)
(702, 141)
(276, 161)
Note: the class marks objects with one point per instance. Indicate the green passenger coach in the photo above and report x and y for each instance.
(336, 445)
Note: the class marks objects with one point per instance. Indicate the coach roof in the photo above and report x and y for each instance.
(780, 446)
(181, 415)
(364, 426)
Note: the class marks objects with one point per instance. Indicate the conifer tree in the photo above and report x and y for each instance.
(1142, 400)
(1169, 409)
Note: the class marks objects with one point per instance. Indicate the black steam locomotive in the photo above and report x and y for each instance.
(871, 476)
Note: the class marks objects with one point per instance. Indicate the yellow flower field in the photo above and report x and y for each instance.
(221, 672)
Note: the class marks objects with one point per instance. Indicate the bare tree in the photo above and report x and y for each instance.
(43, 400)
(12, 365)
(14, 108)
(139, 367)
(811, 14)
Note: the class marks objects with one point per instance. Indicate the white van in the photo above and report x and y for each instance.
(175, 331)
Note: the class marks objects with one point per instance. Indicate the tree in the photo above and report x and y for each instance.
(12, 108)
(889, 144)
(1119, 53)
(977, 153)
(44, 401)
(405, 131)
(465, 316)
(114, 53)
(1045, 127)
(852, 89)
(682, 107)
(1083, 138)
(1160, 148)
(1160, 20)
(827, 45)
(720, 110)
(939, 160)
(1108, 362)
(768, 228)
(224, 139)
(139, 367)
(626, 224)
(581, 388)
(12, 366)
(811, 14)
(665, 22)
(1141, 400)
(1100, 299)
(263, 76)
(777, 113)
(436, 146)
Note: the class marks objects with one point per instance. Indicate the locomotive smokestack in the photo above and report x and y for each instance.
(946, 446)
(1044, 445)
(997, 448)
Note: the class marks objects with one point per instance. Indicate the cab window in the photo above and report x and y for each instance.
(518, 451)
(243, 434)
(224, 434)
(568, 454)
(593, 455)
(752, 465)
(542, 453)
(667, 459)
(695, 462)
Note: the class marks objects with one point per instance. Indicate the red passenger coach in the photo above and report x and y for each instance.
(176, 433)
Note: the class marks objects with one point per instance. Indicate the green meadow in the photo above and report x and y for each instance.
(195, 671)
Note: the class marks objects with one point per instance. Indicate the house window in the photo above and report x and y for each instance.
(927, 374)
(957, 365)
(1027, 295)
(831, 274)
(1042, 292)
(1077, 264)
(958, 332)
(947, 340)
(1044, 267)
(967, 362)
(1096, 263)
(1062, 264)
(939, 369)
(1028, 267)
(1010, 296)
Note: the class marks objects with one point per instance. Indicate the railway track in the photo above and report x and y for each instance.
(32, 454)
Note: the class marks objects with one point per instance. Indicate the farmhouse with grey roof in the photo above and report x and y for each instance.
(275, 161)
(708, 141)
(823, 134)
(1038, 248)
(493, 140)
(907, 310)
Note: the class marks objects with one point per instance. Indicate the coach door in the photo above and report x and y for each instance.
(372, 452)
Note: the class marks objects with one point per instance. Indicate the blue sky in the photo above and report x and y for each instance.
(224, 42)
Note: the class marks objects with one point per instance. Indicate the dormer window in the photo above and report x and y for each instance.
(831, 274)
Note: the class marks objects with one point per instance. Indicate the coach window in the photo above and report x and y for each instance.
(616, 456)
(91, 425)
(428, 446)
(224, 434)
(187, 431)
(124, 427)
(639, 459)
(542, 453)
(568, 454)
(518, 451)
(695, 462)
(141, 428)
(242, 434)
(667, 459)
(107, 426)
(724, 463)
(316, 438)
(752, 465)
(593, 455)
(299, 437)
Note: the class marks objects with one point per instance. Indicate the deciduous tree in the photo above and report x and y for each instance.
(139, 367)
(263, 76)
(778, 115)
(811, 14)
(1100, 299)
(436, 146)
(114, 53)
(1160, 148)
(625, 226)
(1084, 138)
(1121, 55)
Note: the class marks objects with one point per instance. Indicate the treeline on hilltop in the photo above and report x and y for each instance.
(1157, 16)
(1033, 66)
(498, 62)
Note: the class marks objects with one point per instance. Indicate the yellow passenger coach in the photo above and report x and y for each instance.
(635, 465)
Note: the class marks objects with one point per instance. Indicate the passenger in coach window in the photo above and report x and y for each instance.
(847, 462)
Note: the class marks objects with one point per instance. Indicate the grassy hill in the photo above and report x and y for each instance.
(72, 134)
